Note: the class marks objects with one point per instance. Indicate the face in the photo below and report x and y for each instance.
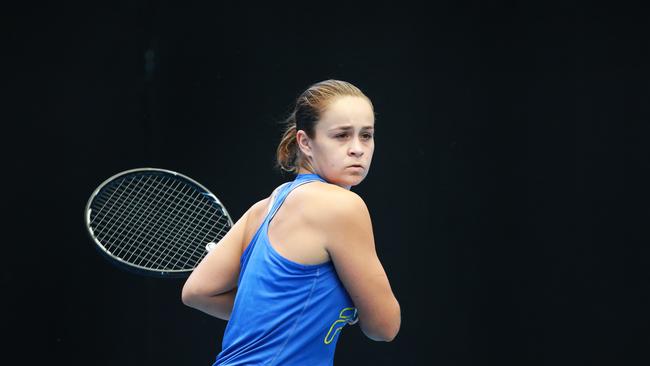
(343, 144)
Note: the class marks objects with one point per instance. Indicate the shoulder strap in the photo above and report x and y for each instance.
(274, 194)
(283, 192)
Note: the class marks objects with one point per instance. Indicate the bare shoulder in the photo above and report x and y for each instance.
(331, 204)
(254, 217)
(258, 209)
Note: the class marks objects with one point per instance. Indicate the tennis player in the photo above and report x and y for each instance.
(300, 265)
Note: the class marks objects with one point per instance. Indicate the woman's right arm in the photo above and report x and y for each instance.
(351, 246)
(211, 287)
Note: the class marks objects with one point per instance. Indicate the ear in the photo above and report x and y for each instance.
(304, 143)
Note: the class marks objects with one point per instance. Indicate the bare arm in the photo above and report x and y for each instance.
(351, 246)
(218, 306)
(211, 287)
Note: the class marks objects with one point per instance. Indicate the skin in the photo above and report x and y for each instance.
(344, 136)
(316, 232)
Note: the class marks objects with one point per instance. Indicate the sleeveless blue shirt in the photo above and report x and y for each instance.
(285, 313)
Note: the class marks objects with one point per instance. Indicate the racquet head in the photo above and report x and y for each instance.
(155, 222)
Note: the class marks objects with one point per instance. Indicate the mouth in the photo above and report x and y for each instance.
(356, 166)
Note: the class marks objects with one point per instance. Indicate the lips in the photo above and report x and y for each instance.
(356, 166)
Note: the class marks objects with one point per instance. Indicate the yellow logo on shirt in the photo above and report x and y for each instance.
(347, 316)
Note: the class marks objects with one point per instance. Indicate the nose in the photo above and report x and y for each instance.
(356, 148)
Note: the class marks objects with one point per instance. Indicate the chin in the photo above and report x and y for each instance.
(345, 178)
(351, 180)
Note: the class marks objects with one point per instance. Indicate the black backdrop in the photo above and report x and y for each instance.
(507, 191)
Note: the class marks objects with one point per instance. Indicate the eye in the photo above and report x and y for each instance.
(341, 135)
(366, 136)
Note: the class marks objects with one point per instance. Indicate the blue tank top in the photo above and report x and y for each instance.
(285, 313)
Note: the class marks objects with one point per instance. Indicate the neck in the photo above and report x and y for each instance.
(306, 171)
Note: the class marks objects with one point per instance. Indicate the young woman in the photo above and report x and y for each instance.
(300, 265)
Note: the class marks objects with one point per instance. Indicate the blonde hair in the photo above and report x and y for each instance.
(308, 110)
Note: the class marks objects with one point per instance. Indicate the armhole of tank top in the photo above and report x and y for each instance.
(276, 206)
(250, 245)
(273, 195)
(271, 214)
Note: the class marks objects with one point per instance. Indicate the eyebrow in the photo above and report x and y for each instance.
(348, 127)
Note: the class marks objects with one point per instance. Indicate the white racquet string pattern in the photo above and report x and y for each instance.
(157, 222)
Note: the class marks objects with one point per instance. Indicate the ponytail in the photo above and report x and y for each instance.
(287, 152)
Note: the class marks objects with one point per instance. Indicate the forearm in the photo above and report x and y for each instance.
(219, 306)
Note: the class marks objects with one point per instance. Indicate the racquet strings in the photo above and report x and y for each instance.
(156, 221)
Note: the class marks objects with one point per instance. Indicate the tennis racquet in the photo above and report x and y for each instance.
(155, 221)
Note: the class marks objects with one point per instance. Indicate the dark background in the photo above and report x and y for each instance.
(507, 193)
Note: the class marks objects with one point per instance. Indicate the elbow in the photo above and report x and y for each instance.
(390, 331)
(189, 296)
(388, 338)
(384, 334)
(387, 329)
